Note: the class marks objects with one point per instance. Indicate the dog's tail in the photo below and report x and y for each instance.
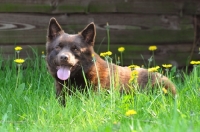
(166, 83)
(156, 80)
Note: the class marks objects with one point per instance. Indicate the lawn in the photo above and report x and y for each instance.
(28, 104)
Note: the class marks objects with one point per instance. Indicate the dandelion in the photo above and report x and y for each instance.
(134, 73)
(93, 58)
(164, 90)
(134, 76)
(153, 69)
(43, 56)
(131, 112)
(109, 53)
(92, 55)
(133, 66)
(152, 48)
(195, 62)
(19, 61)
(167, 65)
(121, 49)
(18, 48)
(104, 54)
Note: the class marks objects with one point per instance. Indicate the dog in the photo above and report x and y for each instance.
(72, 61)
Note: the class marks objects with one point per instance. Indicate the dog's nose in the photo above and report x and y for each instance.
(64, 57)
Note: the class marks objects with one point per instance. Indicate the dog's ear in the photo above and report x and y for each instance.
(54, 29)
(89, 33)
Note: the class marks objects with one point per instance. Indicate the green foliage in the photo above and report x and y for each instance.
(31, 105)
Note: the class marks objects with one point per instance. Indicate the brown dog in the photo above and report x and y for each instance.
(71, 59)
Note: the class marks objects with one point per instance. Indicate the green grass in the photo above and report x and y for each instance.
(29, 104)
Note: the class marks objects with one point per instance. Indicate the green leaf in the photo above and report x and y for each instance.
(20, 89)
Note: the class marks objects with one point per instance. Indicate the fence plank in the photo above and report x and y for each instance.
(139, 21)
(120, 36)
(138, 29)
(133, 54)
(97, 6)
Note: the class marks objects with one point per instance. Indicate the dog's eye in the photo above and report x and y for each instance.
(57, 47)
(74, 48)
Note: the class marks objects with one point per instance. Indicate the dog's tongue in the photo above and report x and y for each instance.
(63, 73)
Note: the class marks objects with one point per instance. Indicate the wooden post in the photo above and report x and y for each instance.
(196, 43)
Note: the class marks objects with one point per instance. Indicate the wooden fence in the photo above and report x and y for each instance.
(172, 25)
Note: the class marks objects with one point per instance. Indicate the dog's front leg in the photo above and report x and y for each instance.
(60, 92)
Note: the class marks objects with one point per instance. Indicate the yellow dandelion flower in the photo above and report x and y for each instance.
(121, 49)
(108, 53)
(134, 75)
(164, 90)
(19, 61)
(102, 54)
(167, 65)
(133, 66)
(131, 112)
(192, 62)
(198, 62)
(153, 69)
(18, 48)
(42, 52)
(152, 48)
(195, 62)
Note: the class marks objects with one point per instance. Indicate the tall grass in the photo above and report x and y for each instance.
(31, 105)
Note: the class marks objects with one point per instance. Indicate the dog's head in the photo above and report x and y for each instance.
(68, 53)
